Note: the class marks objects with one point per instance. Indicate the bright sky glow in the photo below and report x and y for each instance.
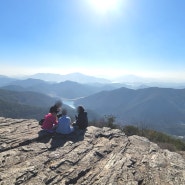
(104, 6)
(96, 37)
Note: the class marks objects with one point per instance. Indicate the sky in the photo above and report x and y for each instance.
(106, 38)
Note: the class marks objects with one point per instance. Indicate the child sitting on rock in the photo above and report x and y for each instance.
(50, 120)
(64, 124)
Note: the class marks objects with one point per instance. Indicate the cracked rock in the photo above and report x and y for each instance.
(97, 156)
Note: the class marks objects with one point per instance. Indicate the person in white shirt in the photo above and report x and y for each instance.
(64, 124)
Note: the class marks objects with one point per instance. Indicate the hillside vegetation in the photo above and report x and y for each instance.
(31, 105)
(15, 110)
(160, 108)
(26, 98)
(165, 141)
(24, 104)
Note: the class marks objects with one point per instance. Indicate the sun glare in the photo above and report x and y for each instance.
(105, 6)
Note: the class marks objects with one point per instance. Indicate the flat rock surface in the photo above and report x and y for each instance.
(95, 156)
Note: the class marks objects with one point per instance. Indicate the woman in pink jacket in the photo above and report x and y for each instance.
(50, 120)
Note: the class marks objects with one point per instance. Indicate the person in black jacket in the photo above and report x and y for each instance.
(81, 119)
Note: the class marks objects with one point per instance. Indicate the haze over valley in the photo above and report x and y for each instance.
(159, 108)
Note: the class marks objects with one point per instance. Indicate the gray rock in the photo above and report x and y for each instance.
(95, 156)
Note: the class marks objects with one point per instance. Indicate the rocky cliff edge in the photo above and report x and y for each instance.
(95, 156)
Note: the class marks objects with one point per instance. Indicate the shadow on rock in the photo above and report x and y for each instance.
(44, 137)
(59, 140)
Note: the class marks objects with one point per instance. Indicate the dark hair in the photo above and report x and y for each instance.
(58, 103)
(80, 109)
(53, 109)
(64, 112)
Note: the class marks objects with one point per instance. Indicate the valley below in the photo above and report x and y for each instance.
(156, 108)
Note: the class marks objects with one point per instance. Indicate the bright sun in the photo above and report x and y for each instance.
(104, 6)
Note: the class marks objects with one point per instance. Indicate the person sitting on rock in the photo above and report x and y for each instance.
(81, 119)
(50, 120)
(64, 124)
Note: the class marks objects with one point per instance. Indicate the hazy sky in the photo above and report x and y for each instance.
(96, 37)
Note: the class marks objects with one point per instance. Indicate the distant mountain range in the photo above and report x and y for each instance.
(49, 77)
(159, 108)
(129, 81)
(67, 89)
(76, 77)
(4, 80)
(133, 79)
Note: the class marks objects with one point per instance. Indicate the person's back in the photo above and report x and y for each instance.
(50, 120)
(64, 124)
(82, 120)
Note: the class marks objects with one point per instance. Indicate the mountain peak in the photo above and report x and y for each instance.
(95, 156)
